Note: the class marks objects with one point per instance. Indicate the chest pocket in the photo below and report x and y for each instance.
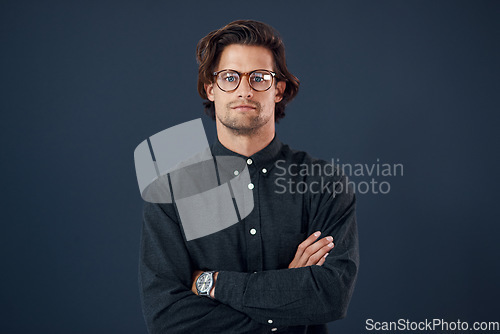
(288, 247)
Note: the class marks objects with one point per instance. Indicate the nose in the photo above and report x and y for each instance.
(244, 90)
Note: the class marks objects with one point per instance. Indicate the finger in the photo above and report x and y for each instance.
(316, 247)
(304, 259)
(320, 253)
(304, 244)
(322, 260)
(301, 248)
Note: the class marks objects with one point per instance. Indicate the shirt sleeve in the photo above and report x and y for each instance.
(308, 295)
(165, 270)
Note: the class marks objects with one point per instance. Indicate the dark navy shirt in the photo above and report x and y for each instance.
(294, 196)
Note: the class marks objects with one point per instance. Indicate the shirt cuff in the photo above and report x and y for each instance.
(230, 288)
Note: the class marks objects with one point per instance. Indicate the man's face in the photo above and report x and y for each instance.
(245, 110)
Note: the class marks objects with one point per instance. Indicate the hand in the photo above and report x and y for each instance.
(312, 251)
(197, 274)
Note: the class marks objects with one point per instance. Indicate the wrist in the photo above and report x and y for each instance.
(212, 291)
(204, 283)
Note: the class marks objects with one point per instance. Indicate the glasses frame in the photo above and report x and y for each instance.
(248, 74)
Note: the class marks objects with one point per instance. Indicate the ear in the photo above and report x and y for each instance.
(209, 89)
(280, 90)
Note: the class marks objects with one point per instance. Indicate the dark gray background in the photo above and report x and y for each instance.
(411, 82)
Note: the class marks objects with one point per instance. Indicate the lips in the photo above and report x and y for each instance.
(244, 107)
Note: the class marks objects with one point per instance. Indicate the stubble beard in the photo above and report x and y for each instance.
(243, 124)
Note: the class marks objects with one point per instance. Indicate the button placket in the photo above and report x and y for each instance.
(253, 225)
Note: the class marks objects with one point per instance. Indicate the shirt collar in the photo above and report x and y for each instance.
(265, 158)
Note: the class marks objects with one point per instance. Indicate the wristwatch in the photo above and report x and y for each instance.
(204, 283)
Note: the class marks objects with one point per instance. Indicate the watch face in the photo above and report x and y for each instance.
(204, 282)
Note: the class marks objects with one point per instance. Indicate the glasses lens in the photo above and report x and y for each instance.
(228, 80)
(261, 80)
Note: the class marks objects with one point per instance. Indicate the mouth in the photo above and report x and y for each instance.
(243, 107)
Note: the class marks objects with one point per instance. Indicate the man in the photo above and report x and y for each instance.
(278, 269)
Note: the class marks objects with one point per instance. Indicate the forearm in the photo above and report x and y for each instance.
(300, 296)
(165, 273)
(307, 295)
(170, 308)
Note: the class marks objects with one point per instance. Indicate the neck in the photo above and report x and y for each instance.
(245, 144)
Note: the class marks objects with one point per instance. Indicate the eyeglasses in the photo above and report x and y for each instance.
(259, 80)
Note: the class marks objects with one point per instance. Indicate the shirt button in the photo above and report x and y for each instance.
(250, 186)
(274, 329)
(252, 232)
(236, 172)
(269, 321)
(264, 170)
(249, 161)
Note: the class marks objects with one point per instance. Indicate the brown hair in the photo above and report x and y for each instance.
(246, 32)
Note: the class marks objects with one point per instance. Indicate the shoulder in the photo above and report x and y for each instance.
(155, 213)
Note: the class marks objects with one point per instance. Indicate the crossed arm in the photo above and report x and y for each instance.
(314, 289)
(310, 252)
(165, 274)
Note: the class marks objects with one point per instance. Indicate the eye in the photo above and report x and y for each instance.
(261, 77)
(258, 77)
(230, 77)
